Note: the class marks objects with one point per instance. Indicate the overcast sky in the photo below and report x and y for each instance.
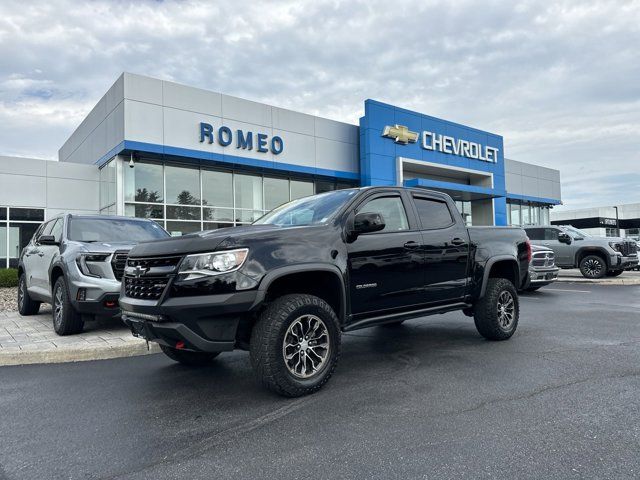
(559, 80)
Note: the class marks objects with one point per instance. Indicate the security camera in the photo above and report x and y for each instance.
(131, 164)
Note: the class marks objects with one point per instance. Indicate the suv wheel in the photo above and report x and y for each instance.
(295, 345)
(496, 314)
(66, 321)
(26, 306)
(614, 273)
(193, 359)
(593, 266)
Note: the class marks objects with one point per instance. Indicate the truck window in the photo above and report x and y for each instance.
(391, 209)
(433, 213)
(535, 233)
(550, 234)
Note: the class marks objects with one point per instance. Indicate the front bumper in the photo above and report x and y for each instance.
(205, 323)
(93, 296)
(541, 276)
(624, 263)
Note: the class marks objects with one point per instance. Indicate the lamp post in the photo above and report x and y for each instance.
(617, 222)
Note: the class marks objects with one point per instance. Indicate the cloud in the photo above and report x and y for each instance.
(559, 80)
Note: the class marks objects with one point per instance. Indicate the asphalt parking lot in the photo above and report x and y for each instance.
(429, 399)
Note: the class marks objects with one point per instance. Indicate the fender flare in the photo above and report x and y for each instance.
(490, 263)
(588, 250)
(280, 272)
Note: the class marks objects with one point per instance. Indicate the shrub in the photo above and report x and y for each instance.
(8, 277)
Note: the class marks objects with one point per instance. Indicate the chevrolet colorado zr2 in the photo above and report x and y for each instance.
(287, 286)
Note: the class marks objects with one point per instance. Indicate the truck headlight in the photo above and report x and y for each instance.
(616, 246)
(214, 263)
(90, 263)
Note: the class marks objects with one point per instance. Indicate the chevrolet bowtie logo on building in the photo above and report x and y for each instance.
(400, 134)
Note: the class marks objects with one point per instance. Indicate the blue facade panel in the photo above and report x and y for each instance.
(379, 154)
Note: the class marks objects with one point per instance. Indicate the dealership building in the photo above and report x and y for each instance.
(611, 221)
(193, 159)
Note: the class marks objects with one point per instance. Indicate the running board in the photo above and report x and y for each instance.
(394, 317)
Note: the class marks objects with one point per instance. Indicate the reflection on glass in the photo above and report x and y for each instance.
(183, 185)
(19, 235)
(276, 192)
(515, 214)
(248, 192)
(215, 226)
(221, 214)
(144, 183)
(142, 211)
(182, 228)
(183, 213)
(324, 186)
(248, 216)
(30, 214)
(3, 247)
(300, 189)
(217, 188)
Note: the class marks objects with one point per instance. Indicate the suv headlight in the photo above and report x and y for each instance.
(214, 263)
(91, 264)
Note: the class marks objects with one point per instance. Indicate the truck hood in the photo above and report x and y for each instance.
(206, 241)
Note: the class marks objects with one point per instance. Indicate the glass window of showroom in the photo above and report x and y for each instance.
(186, 199)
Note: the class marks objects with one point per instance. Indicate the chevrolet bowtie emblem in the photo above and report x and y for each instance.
(400, 134)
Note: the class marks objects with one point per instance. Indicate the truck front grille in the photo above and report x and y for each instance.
(543, 259)
(155, 276)
(118, 262)
(148, 288)
(629, 248)
(154, 262)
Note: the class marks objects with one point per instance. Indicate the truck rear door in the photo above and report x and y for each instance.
(445, 242)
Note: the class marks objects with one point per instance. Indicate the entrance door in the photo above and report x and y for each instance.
(386, 267)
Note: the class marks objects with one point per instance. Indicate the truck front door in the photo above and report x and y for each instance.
(386, 267)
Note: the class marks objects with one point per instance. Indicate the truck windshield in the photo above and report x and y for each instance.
(112, 230)
(308, 210)
(576, 232)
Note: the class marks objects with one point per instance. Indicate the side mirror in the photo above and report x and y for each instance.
(47, 240)
(564, 238)
(368, 222)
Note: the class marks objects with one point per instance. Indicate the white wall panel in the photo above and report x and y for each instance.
(192, 99)
(143, 122)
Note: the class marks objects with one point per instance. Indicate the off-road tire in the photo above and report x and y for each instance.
(267, 340)
(486, 314)
(588, 272)
(26, 306)
(65, 321)
(614, 273)
(192, 359)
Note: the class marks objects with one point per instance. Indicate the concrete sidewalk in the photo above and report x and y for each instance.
(27, 340)
(626, 278)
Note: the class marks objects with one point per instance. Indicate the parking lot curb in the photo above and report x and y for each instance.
(602, 281)
(79, 354)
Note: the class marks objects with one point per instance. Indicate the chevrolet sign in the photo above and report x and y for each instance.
(442, 143)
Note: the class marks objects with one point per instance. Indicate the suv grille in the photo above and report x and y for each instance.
(543, 259)
(151, 286)
(118, 262)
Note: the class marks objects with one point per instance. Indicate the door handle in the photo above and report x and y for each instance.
(457, 241)
(411, 245)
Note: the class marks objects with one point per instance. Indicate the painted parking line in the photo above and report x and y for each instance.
(568, 290)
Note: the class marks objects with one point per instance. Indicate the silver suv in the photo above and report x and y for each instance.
(75, 263)
(594, 256)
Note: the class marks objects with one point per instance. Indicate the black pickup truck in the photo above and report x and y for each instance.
(286, 287)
